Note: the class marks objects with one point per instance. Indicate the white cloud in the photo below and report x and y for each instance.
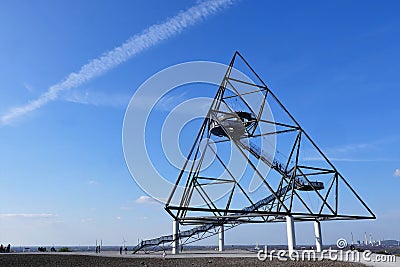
(27, 215)
(145, 200)
(29, 87)
(111, 59)
(86, 220)
(96, 98)
(397, 172)
(92, 182)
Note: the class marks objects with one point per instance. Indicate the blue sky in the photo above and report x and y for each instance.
(62, 170)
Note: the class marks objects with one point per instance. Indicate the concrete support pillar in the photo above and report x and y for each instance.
(291, 236)
(318, 236)
(221, 241)
(175, 233)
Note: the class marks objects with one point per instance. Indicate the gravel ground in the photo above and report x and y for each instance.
(46, 260)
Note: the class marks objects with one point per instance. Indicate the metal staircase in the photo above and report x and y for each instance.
(210, 229)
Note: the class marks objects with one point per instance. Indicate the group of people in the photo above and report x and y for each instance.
(4, 249)
(125, 249)
(98, 249)
(44, 249)
(278, 166)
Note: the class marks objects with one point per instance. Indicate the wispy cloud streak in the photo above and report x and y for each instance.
(355, 152)
(27, 215)
(96, 98)
(133, 46)
(351, 159)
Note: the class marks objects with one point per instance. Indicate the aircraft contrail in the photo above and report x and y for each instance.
(133, 46)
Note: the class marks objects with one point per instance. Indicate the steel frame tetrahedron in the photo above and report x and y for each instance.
(243, 129)
(295, 178)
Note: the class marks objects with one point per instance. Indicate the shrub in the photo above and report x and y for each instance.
(384, 252)
(64, 249)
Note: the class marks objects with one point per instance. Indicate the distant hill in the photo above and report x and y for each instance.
(390, 243)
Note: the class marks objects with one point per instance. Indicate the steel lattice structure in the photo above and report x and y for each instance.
(294, 176)
(243, 129)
